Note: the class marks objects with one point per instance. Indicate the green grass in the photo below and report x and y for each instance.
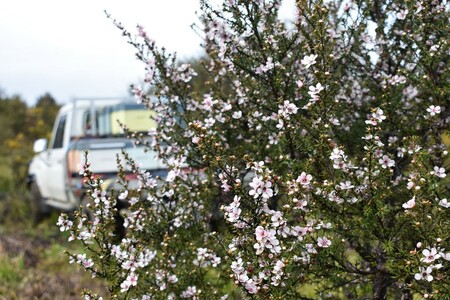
(11, 271)
(33, 263)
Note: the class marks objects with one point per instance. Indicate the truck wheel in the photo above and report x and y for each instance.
(39, 210)
(87, 204)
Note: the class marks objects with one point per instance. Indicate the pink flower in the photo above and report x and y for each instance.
(304, 179)
(430, 255)
(208, 102)
(266, 239)
(386, 162)
(323, 242)
(238, 266)
(131, 280)
(261, 234)
(251, 287)
(300, 204)
(264, 68)
(402, 14)
(261, 188)
(87, 263)
(141, 31)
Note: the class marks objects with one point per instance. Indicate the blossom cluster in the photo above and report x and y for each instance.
(311, 150)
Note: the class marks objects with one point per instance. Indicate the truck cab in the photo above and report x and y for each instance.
(85, 125)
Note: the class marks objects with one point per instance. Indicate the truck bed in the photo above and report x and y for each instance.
(102, 153)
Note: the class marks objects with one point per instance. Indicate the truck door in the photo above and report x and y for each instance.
(56, 159)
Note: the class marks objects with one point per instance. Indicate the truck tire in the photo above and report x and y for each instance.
(86, 208)
(39, 210)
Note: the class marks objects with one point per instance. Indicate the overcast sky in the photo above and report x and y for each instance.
(70, 49)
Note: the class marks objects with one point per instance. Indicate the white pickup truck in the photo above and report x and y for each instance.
(86, 125)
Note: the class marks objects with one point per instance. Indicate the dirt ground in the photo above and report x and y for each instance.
(40, 281)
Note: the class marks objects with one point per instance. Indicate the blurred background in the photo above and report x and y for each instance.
(52, 51)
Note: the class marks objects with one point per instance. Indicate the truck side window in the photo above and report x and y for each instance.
(59, 136)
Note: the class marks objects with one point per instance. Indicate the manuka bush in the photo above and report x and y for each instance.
(314, 160)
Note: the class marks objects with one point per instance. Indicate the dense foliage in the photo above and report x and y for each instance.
(22, 125)
(312, 158)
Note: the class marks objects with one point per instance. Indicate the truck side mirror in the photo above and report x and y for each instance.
(39, 145)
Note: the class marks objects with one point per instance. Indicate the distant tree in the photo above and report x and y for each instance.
(12, 111)
(42, 116)
(21, 125)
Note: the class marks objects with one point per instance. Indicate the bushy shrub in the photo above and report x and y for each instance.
(314, 157)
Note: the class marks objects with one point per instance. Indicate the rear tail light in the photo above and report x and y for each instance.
(73, 161)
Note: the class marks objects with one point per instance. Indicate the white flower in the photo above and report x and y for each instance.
(268, 66)
(287, 109)
(376, 117)
(237, 115)
(439, 172)
(238, 266)
(433, 110)
(410, 204)
(346, 185)
(277, 219)
(434, 48)
(251, 286)
(336, 154)
(379, 115)
(314, 90)
(64, 223)
(87, 263)
(309, 60)
(396, 79)
(190, 292)
(430, 255)
(123, 195)
(444, 203)
(424, 274)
